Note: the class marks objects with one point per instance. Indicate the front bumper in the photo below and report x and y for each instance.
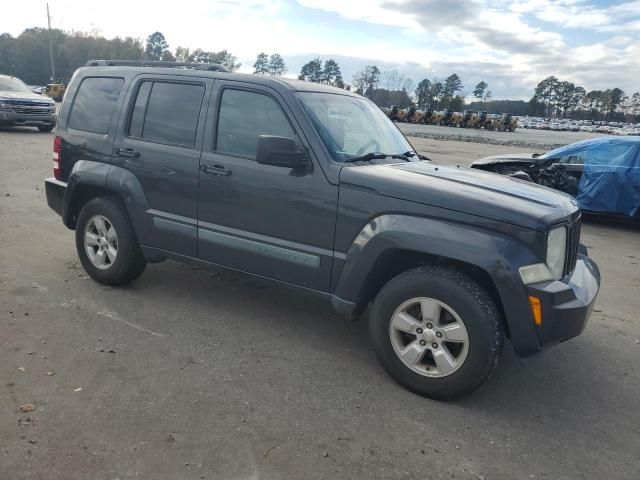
(11, 118)
(55, 190)
(567, 304)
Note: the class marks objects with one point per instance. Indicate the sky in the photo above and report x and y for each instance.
(511, 44)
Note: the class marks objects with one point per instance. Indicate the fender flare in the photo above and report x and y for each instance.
(495, 253)
(112, 179)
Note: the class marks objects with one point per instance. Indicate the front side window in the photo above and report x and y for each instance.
(166, 113)
(95, 103)
(352, 126)
(576, 157)
(244, 116)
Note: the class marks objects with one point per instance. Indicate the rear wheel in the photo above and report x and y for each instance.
(107, 244)
(436, 332)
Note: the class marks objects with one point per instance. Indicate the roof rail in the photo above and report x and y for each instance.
(212, 67)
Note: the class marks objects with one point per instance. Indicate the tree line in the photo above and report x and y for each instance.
(555, 98)
(27, 57)
(552, 98)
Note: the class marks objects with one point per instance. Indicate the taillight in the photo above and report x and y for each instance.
(57, 158)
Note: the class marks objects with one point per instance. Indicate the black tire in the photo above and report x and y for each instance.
(474, 306)
(129, 262)
(48, 128)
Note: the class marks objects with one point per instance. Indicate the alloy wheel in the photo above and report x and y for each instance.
(429, 337)
(101, 242)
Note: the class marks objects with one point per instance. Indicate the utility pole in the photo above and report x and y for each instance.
(53, 67)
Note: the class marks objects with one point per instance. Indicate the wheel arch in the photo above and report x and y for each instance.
(391, 244)
(396, 261)
(90, 180)
(80, 196)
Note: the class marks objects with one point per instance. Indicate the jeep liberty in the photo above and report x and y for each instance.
(315, 187)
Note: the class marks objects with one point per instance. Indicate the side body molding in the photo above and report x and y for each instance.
(498, 255)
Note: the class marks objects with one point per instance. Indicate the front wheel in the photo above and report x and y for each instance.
(436, 332)
(107, 244)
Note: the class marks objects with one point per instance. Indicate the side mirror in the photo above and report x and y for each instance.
(280, 152)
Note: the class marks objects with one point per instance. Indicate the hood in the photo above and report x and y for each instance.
(508, 158)
(474, 192)
(27, 96)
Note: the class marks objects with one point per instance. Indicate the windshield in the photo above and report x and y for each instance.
(565, 149)
(351, 126)
(12, 84)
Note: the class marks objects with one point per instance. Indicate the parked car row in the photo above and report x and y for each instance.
(565, 125)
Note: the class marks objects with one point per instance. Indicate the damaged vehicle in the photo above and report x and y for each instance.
(602, 173)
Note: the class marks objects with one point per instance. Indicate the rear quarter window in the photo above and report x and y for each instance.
(95, 103)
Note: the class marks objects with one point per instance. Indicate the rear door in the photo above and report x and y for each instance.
(160, 142)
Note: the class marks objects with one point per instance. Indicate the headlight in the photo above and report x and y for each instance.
(4, 105)
(556, 250)
(553, 268)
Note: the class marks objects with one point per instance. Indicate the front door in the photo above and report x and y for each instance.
(160, 143)
(271, 221)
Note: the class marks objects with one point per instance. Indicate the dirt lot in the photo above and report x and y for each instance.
(191, 374)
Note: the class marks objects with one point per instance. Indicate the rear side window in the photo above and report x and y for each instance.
(166, 113)
(95, 103)
(246, 115)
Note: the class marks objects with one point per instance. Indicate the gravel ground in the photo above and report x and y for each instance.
(524, 138)
(190, 374)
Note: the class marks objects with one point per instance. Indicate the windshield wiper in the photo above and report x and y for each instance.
(376, 156)
(413, 154)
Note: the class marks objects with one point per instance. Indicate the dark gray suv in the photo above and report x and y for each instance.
(21, 106)
(314, 187)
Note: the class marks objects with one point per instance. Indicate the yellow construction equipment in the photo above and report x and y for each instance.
(418, 117)
(55, 91)
(507, 123)
(478, 120)
(393, 113)
(441, 118)
(456, 119)
(406, 115)
(465, 119)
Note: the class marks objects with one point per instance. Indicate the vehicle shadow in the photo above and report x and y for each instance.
(21, 130)
(543, 386)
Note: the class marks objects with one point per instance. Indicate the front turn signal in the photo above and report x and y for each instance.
(536, 309)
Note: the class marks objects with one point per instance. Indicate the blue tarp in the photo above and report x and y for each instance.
(611, 178)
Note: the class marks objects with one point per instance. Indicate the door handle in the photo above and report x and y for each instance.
(218, 170)
(127, 152)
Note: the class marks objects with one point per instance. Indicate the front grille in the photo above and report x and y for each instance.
(26, 103)
(573, 242)
(32, 111)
